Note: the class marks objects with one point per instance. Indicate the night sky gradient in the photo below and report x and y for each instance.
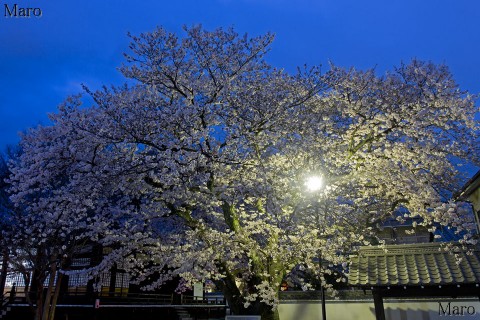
(43, 60)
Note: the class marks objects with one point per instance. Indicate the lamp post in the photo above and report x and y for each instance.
(314, 184)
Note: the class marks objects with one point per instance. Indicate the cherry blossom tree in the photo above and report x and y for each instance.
(415, 127)
(58, 215)
(197, 168)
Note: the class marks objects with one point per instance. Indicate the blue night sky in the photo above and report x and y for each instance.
(43, 60)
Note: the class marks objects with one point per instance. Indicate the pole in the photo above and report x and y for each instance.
(324, 311)
(322, 289)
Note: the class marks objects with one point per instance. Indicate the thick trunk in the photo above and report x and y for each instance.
(49, 293)
(268, 313)
(38, 279)
(236, 302)
(231, 293)
(39, 298)
(259, 308)
(58, 286)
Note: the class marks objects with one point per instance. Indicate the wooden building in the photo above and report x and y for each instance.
(414, 267)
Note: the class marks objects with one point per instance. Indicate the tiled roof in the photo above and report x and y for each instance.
(413, 265)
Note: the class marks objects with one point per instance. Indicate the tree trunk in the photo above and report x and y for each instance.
(37, 281)
(236, 302)
(48, 295)
(39, 298)
(268, 314)
(27, 278)
(58, 286)
(231, 292)
(258, 308)
(264, 310)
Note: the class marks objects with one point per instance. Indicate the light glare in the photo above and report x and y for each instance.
(314, 183)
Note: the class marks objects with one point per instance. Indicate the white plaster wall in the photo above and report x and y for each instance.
(364, 310)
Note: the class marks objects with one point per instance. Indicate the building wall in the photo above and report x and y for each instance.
(418, 309)
(475, 199)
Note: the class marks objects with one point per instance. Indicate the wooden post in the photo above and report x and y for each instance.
(378, 302)
(3, 275)
(113, 280)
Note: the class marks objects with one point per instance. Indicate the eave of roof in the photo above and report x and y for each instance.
(414, 265)
(469, 187)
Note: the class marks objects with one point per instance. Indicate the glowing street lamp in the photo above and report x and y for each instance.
(314, 183)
